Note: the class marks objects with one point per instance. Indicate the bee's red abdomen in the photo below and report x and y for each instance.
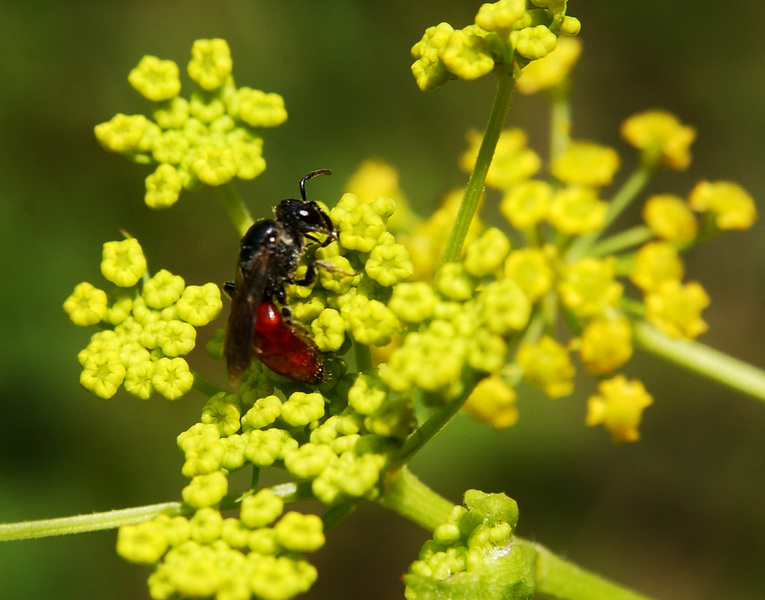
(284, 349)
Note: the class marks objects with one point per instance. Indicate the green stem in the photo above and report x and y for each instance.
(435, 423)
(634, 236)
(560, 127)
(290, 492)
(409, 497)
(701, 359)
(85, 523)
(363, 355)
(559, 578)
(204, 386)
(235, 207)
(621, 200)
(505, 86)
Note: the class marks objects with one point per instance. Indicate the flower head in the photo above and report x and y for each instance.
(661, 138)
(618, 406)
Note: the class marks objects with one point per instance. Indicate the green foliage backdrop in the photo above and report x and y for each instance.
(678, 515)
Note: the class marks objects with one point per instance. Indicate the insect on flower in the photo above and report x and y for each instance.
(268, 257)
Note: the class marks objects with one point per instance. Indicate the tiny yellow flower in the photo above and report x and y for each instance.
(467, 55)
(493, 401)
(731, 205)
(670, 218)
(428, 69)
(588, 286)
(142, 543)
(619, 406)
(675, 309)
(531, 270)
(86, 305)
(102, 373)
(500, 16)
(123, 262)
(210, 63)
(526, 204)
(585, 163)
(486, 254)
(257, 108)
(155, 79)
(513, 162)
(199, 305)
(551, 70)
(214, 165)
(605, 345)
(123, 133)
(547, 365)
(163, 187)
(577, 210)
(534, 42)
(663, 140)
(655, 264)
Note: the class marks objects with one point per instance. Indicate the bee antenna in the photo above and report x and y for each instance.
(311, 175)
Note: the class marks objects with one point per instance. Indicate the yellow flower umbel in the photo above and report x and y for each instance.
(618, 406)
(209, 138)
(146, 333)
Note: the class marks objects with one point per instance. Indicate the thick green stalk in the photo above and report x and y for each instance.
(559, 578)
(505, 86)
(555, 576)
(701, 359)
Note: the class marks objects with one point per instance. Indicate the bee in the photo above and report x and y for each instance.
(268, 257)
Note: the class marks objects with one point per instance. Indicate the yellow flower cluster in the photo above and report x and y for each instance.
(207, 139)
(144, 335)
(505, 37)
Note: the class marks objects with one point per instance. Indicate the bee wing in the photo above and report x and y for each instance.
(249, 287)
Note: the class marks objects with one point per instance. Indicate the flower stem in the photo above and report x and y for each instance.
(406, 495)
(235, 208)
(84, 523)
(559, 578)
(701, 359)
(621, 200)
(505, 86)
(436, 422)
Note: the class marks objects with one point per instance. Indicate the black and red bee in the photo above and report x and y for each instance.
(268, 257)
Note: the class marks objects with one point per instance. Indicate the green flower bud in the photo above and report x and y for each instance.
(206, 524)
(205, 490)
(155, 79)
(300, 409)
(535, 42)
(454, 283)
(210, 64)
(223, 411)
(486, 254)
(299, 533)
(389, 264)
(86, 305)
(308, 460)
(261, 509)
(264, 412)
(142, 543)
(172, 377)
(123, 262)
(264, 446)
(373, 323)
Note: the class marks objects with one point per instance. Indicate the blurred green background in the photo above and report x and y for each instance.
(679, 515)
